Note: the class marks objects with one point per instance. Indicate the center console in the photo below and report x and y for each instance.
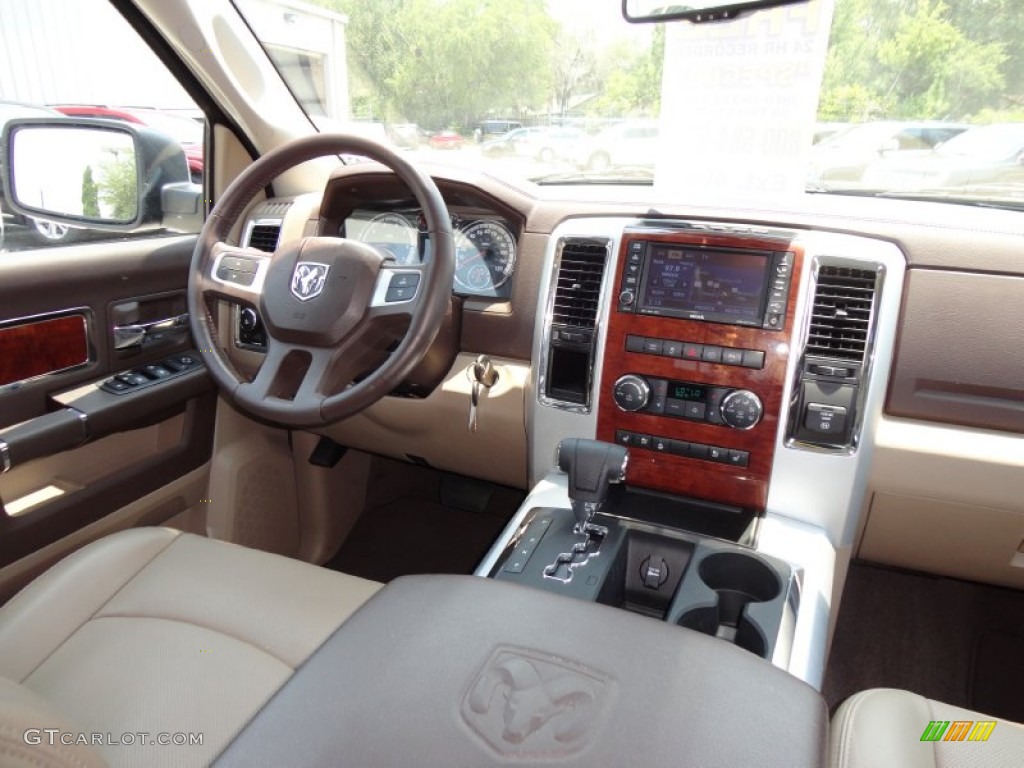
(695, 360)
(742, 367)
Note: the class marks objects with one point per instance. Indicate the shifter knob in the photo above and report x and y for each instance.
(592, 467)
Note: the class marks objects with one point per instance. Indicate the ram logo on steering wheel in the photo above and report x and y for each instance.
(308, 280)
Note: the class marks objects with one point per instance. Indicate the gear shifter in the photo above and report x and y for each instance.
(592, 467)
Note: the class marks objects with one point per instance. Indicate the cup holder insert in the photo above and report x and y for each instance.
(738, 580)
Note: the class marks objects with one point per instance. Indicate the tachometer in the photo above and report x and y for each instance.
(485, 255)
(395, 234)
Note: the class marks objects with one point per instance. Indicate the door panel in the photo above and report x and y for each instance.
(78, 452)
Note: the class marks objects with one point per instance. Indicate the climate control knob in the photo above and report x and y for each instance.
(631, 392)
(742, 409)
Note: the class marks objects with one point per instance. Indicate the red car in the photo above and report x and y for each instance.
(187, 131)
(446, 140)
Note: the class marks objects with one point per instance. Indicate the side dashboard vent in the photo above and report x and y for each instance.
(841, 315)
(264, 236)
(578, 286)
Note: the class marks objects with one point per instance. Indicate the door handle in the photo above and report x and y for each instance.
(134, 334)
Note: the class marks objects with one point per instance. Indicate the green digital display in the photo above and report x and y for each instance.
(692, 392)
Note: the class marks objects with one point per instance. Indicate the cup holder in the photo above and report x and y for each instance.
(738, 580)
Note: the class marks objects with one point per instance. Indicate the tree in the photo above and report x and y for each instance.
(912, 59)
(90, 195)
(633, 85)
(448, 62)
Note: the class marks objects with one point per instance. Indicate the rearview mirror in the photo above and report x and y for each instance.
(697, 11)
(94, 173)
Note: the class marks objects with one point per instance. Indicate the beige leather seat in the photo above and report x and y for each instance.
(152, 631)
(882, 728)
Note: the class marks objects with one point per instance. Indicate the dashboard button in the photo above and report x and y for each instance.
(753, 358)
(692, 351)
(662, 444)
(643, 441)
(634, 343)
(732, 356)
(695, 410)
(711, 354)
(739, 458)
(623, 437)
(679, 448)
(825, 419)
(698, 451)
(672, 349)
(653, 346)
(717, 454)
(675, 407)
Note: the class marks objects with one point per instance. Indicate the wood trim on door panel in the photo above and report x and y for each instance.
(42, 345)
(742, 486)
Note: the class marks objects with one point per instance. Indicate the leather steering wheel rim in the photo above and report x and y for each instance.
(317, 357)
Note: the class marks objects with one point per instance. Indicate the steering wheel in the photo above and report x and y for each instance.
(331, 306)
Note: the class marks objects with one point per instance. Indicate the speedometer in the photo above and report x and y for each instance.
(485, 255)
(394, 234)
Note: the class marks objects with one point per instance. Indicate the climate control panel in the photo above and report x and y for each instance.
(725, 406)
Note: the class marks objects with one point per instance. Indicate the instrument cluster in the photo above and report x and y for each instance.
(485, 247)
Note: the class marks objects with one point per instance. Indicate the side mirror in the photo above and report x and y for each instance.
(99, 174)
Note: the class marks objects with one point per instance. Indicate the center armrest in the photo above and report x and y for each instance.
(460, 670)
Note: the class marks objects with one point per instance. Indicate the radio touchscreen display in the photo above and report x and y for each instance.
(701, 284)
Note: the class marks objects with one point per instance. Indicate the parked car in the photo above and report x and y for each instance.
(490, 129)
(840, 160)
(188, 132)
(986, 155)
(544, 143)
(630, 143)
(405, 135)
(446, 140)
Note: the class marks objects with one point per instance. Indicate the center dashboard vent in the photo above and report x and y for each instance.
(841, 315)
(578, 285)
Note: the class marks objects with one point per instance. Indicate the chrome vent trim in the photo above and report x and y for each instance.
(852, 286)
(841, 312)
(578, 280)
(580, 300)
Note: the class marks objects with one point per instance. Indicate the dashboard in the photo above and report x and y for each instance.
(485, 246)
(693, 334)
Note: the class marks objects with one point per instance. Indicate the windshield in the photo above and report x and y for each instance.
(567, 92)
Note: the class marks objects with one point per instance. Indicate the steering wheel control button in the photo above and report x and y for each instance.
(825, 419)
(402, 287)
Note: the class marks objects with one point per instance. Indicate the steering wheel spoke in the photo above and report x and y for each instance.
(235, 273)
(397, 292)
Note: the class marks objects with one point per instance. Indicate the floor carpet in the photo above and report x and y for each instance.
(953, 641)
(419, 520)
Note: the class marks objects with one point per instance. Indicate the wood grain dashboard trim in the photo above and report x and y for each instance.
(40, 346)
(741, 486)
